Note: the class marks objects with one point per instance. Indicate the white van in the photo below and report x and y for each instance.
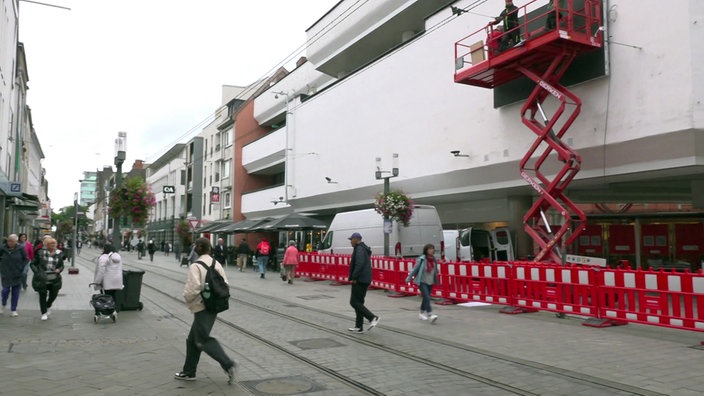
(423, 228)
(451, 249)
(477, 244)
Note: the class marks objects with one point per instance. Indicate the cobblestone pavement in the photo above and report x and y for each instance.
(69, 354)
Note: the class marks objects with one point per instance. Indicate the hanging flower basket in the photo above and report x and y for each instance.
(133, 199)
(395, 205)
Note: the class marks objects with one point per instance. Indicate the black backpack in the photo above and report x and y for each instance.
(216, 293)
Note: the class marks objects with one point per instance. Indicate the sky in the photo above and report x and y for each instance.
(152, 68)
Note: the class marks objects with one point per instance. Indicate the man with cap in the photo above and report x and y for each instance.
(509, 17)
(361, 277)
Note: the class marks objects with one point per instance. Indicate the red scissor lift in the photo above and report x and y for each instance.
(543, 55)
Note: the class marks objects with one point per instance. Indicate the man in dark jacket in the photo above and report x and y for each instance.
(361, 277)
(220, 252)
(509, 17)
(13, 259)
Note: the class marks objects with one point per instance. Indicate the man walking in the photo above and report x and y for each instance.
(219, 252)
(243, 253)
(361, 277)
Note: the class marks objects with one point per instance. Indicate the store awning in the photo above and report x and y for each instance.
(213, 226)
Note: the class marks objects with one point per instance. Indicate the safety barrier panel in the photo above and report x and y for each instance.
(476, 281)
(563, 289)
(607, 296)
(663, 298)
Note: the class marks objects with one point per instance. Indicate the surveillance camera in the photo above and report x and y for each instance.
(455, 152)
(276, 96)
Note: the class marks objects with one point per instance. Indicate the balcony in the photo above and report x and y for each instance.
(262, 201)
(265, 155)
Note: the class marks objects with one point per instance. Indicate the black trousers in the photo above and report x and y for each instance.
(359, 292)
(199, 340)
(47, 297)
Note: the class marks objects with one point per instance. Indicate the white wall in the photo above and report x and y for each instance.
(408, 103)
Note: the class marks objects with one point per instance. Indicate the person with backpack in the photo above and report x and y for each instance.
(199, 339)
(262, 253)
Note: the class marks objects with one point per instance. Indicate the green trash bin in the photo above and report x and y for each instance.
(128, 297)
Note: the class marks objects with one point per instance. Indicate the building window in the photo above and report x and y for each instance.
(227, 202)
(226, 169)
(228, 138)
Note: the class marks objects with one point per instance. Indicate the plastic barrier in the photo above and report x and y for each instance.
(476, 281)
(669, 299)
(569, 289)
(608, 296)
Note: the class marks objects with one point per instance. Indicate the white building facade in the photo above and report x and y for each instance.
(380, 81)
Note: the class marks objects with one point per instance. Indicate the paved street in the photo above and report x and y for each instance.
(71, 355)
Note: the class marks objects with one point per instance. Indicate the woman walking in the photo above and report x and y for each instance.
(108, 271)
(290, 261)
(13, 258)
(47, 266)
(425, 275)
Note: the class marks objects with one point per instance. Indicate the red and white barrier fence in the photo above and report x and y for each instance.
(606, 296)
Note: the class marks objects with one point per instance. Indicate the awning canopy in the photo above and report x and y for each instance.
(247, 225)
(293, 221)
(214, 225)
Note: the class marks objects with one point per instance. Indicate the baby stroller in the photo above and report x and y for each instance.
(104, 306)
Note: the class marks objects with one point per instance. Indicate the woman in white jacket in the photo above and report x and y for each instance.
(108, 271)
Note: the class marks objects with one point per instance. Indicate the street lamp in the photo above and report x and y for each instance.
(74, 244)
(286, 149)
(120, 148)
(379, 174)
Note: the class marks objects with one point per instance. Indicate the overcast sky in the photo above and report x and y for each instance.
(151, 68)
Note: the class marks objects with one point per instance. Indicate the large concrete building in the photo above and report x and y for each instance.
(379, 81)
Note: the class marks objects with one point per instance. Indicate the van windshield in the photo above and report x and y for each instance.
(327, 241)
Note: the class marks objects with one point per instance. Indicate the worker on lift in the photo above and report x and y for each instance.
(509, 17)
(493, 40)
(554, 15)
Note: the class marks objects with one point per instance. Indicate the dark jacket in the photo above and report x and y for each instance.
(12, 264)
(39, 267)
(243, 248)
(220, 253)
(361, 264)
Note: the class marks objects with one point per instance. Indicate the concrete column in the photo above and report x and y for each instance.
(518, 207)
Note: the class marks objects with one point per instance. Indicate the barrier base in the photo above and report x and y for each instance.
(601, 322)
(398, 295)
(516, 310)
(339, 283)
(313, 280)
(445, 301)
(73, 270)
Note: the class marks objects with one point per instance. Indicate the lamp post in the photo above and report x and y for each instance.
(73, 270)
(120, 148)
(380, 175)
(286, 148)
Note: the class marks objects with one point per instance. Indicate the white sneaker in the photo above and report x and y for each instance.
(45, 317)
(422, 316)
(14, 313)
(374, 322)
(2, 310)
(48, 312)
(433, 318)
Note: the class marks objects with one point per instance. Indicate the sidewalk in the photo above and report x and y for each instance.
(70, 355)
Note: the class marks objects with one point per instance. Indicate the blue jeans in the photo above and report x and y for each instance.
(425, 290)
(261, 262)
(15, 296)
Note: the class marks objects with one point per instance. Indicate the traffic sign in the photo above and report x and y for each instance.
(194, 223)
(169, 189)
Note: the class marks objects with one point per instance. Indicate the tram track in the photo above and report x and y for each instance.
(537, 367)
